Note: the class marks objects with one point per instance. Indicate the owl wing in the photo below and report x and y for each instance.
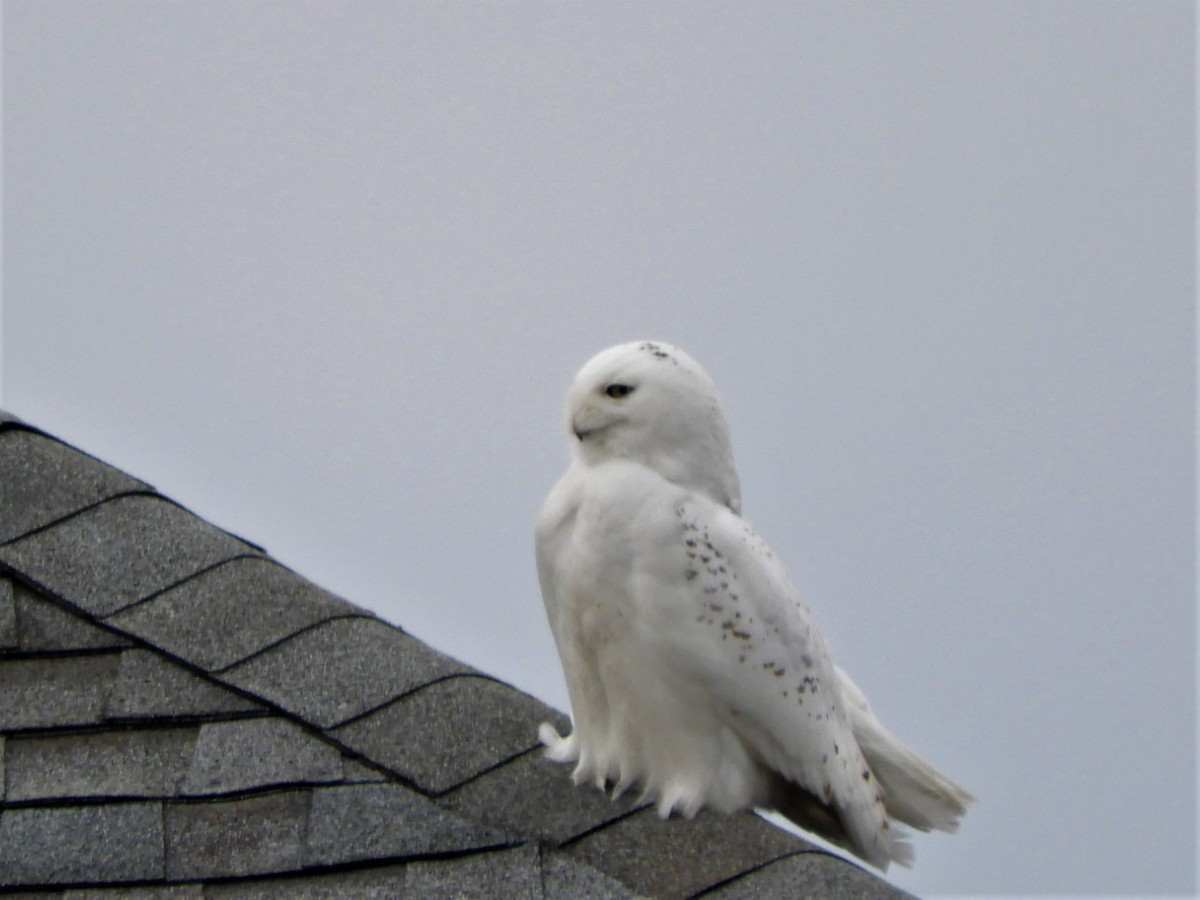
(744, 630)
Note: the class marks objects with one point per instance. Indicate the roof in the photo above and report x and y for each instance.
(178, 710)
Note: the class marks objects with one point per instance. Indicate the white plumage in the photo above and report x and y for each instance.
(694, 669)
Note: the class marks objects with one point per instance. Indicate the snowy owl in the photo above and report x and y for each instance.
(694, 669)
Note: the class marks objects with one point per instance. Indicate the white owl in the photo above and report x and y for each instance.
(695, 671)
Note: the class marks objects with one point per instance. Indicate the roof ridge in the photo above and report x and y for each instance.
(202, 572)
(402, 697)
(83, 510)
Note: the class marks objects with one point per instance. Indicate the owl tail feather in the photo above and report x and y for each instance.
(914, 792)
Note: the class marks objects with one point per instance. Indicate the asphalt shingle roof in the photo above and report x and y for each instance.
(182, 716)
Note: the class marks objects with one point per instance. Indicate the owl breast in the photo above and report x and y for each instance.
(639, 718)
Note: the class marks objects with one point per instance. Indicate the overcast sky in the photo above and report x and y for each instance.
(323, 272)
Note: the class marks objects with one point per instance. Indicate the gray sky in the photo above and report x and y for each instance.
(323, 272)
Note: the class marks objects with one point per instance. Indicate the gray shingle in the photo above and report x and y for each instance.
(356, 772)
(8, 615)
(42, 480)
(40, 693)
(443, 734)
(386, 821)
(658, 856)
(809, 874)
(512, 873)
(159, 892)
(225, 614)
(533, 796)
(150, 686)
(98, 844)
(119, 552)
(252, 753)
(377, 883)
(141, 763)
(43, 625)
(341, 669)
(566, 877)
(251, 836)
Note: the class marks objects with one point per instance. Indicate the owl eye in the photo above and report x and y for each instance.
(617, 391)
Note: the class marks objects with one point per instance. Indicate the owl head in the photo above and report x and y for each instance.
(650, 402)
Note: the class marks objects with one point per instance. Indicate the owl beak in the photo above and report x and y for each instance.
(588, 420)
